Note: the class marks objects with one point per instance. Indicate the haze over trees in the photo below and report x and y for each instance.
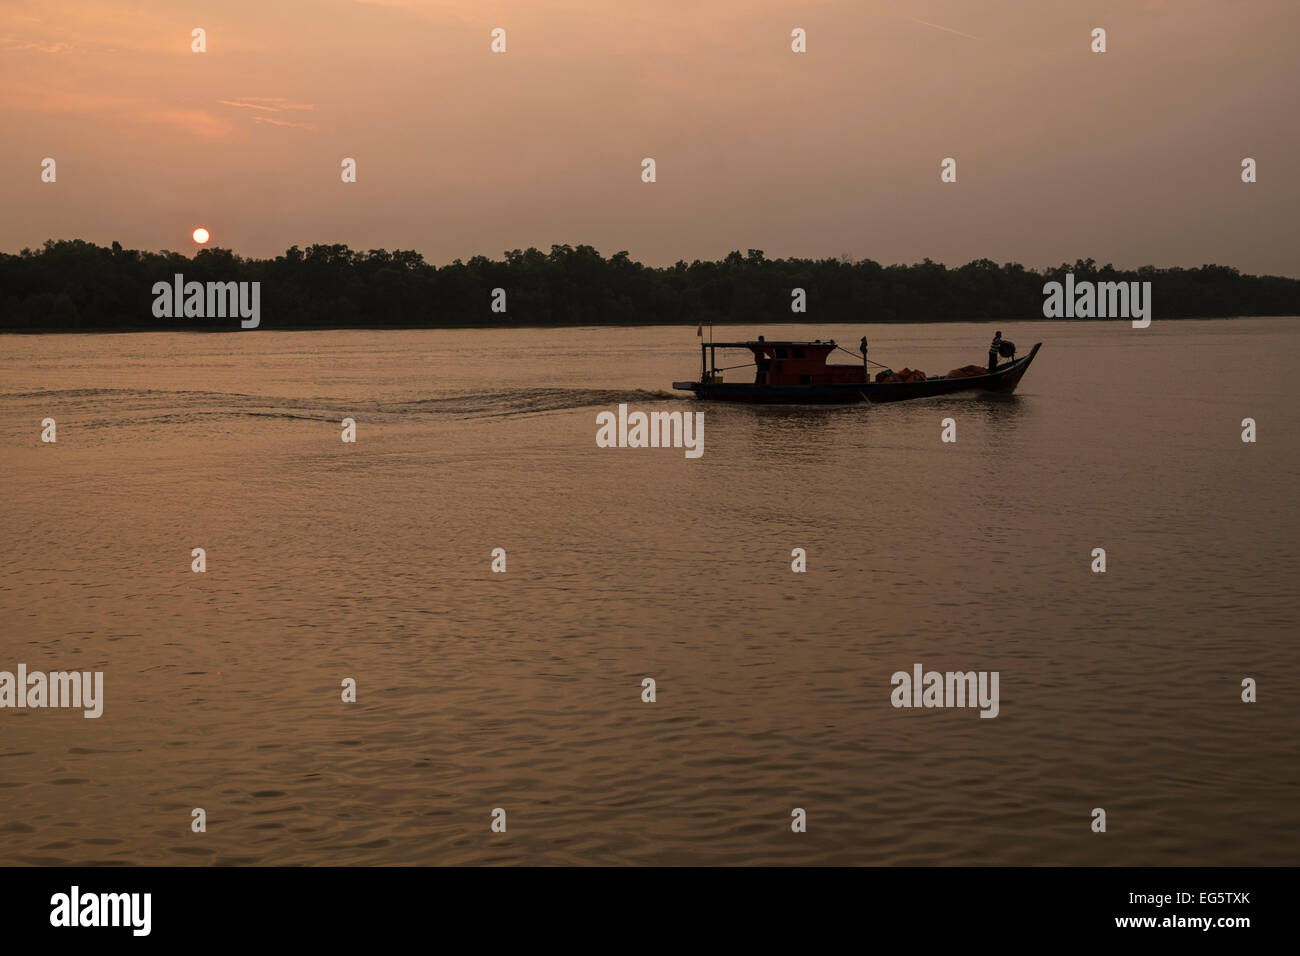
(72, 285)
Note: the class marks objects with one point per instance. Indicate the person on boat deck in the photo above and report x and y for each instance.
(993, 350)
(763, 363)
(862, 347)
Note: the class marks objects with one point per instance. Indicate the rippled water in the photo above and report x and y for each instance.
(523, 690)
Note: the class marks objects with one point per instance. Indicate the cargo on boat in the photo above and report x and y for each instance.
(799, 373)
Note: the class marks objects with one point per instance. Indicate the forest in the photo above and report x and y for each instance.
(73, 285)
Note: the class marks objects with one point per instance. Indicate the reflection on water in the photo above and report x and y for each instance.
(794, 434)
(523, 690)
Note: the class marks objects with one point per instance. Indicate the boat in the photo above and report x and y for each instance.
(798, 373)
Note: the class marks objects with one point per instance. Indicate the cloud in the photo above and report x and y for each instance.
(247, 106)
(945, 29)
(117, 108)
(197, 122)
(269, 104)
(262, 105)
(38, 97)
(87, 28)
(10, 45)
(279, 122)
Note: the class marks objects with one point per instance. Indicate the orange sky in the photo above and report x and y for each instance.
(1131, 157)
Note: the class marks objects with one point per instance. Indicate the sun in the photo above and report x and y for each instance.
(200, 235)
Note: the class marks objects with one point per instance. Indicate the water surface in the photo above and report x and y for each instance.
(523, 690)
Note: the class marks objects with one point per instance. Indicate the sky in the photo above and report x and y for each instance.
(1132, 156)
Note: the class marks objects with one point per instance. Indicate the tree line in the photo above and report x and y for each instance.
(71, 285)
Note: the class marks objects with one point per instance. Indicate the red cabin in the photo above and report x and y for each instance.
(787, 363)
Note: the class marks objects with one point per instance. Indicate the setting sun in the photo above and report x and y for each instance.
(200, 235)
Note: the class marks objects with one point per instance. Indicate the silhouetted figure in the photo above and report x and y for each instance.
(763, 363)
(994, 348)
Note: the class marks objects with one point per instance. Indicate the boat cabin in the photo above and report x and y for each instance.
(784, 363)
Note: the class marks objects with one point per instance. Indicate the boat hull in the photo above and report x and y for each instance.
(1002, 380)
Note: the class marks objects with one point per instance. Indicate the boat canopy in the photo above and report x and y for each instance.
(785, 363)
(829, 345)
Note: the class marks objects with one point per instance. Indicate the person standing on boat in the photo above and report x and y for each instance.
(763, 363)
(993, 350)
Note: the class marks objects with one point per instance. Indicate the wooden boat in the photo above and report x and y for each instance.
(798, 373)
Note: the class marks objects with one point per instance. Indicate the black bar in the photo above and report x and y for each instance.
(977, 907)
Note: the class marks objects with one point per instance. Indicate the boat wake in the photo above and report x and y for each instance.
(112, 407)
(528, 401)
